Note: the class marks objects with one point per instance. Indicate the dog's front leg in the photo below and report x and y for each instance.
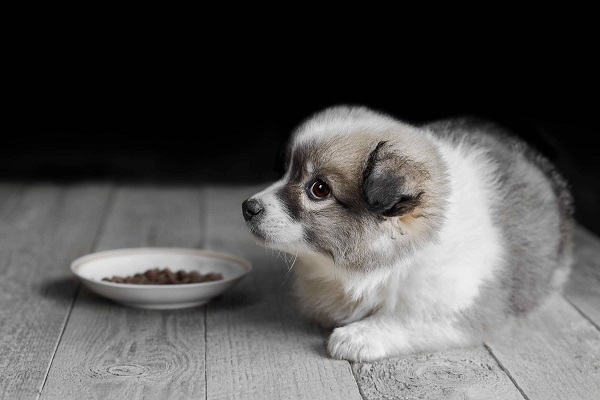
(381, 336)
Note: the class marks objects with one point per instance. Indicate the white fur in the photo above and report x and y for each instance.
(279, 229)
(343, 121)
(446, 276)
(436, 284)
(382, 335)
(414, 305)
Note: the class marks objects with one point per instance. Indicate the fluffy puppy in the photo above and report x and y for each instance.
(414, 238)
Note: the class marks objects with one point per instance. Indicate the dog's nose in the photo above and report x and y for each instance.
(251, 208)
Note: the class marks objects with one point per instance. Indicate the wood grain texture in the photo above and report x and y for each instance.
(109, 351)
(258, 347)
(42, 229)
(553, 353)
(583, 288)
(457, 374)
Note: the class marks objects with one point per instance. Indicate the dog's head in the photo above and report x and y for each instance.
(360, 188)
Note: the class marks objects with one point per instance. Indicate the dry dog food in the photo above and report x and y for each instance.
(156, 276)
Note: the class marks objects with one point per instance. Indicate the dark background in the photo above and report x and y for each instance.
(133, 115)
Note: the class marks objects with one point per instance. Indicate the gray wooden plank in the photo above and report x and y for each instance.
(42, 228)
(456, 374)
(258, 347)
(109, 351)
(553, 353)
(583, 288)
(9, 190)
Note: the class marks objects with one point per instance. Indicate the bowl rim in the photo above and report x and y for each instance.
(244, 263)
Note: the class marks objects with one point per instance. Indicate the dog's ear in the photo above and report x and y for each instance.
(386, 186)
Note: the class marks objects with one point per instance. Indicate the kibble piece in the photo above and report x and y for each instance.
(212, 276)
(195, 277)
(151, 274)
(165, 276)
(171, 276)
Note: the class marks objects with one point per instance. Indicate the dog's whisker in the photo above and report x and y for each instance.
(295, 258)
(404, 227)
(290, 268)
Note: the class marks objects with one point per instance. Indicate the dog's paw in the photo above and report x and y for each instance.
(355, 343)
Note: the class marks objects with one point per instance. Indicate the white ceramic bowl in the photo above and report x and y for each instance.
(92, 268)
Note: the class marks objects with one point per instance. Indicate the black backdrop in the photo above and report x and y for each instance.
(104, 120)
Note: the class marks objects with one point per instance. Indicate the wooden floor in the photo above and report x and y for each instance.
(59, 341)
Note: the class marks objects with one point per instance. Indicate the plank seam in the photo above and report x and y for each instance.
(354, 374)
(505, 371)
(55, 350)
(568, 300)
(205, 351)
(203, 241)
(100, 230)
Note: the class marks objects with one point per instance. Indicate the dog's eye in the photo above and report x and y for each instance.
(319, 189)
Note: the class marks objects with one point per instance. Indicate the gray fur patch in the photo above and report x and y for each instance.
(384, 183)
(533, 208)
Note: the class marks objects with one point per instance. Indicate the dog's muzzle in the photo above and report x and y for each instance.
(251, 209)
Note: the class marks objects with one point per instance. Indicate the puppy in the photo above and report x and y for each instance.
(414, 238)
